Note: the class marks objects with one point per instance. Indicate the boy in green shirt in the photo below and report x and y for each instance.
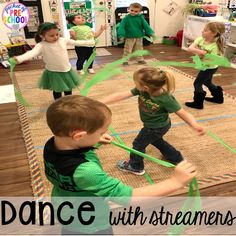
(133, 28)
(74, 169)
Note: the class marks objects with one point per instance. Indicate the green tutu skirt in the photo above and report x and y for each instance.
(59, 81)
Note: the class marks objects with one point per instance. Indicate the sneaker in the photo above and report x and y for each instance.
(142, 62)
(125, 63)
(91, 71)
(126, 167)
(81, 72)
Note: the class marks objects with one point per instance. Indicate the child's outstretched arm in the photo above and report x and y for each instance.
(183, 174)
(195, 49)
(116, 97)
(36, 51)
(83, 43)
(190, 120)
(99, 32)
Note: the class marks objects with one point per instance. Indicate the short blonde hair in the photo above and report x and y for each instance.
(75, 112)
(136, 5)
(155, 78)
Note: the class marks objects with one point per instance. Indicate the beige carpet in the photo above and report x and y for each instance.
(215, 162)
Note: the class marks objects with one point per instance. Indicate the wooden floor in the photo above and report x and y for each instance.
(14, 169)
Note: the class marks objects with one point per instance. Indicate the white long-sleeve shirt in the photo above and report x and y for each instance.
(55, 55)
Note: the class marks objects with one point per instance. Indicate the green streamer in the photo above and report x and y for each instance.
(163, 163)
(18, 95)
(110, 70)
(221, 141)
(148, 177)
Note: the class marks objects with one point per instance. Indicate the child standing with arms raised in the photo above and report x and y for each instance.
(58, 75)
(211, 42)
(133, 28)
(74, 169)
(154, 88)
(80, 31)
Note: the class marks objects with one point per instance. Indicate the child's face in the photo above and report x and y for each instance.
(79, 20)
(134, 11)
(89, 140)
(207, 34)
(51, 36)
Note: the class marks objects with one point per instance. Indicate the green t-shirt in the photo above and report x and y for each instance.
(83, 32)
(154, 111)
(134, 27)
(211, 48)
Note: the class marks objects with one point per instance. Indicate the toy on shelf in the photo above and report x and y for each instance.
(4, 56)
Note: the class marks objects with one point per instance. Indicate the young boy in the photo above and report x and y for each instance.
(74, 169)
(133, 28)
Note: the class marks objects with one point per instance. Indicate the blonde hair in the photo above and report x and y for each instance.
(75, 112)
(136, 5)
(218, 29)
(155, 78)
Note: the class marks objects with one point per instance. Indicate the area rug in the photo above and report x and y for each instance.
(213, 155)
(100, 52)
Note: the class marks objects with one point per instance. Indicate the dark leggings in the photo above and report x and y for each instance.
(57, 95)
(204, 78)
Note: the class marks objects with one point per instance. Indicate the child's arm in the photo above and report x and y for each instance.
(195, 49)
(116, 97)
(148, 30)
(190, 120)
(99, 32)
(184, 173)
(36, 51)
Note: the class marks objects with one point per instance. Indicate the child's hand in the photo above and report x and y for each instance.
(199, 129)
(105, 139)
(184, 173)
(103, 27)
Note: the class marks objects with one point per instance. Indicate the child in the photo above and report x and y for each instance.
(80, 31)
(74, 169)
(154, 88)
(58, 75)
(133, 28)
(210, 42)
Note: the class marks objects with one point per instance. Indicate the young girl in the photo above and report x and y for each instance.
(58, 75)
(154, 88)
(210, 42)
(80, 31)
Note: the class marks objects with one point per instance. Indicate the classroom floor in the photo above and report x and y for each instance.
(14, 168)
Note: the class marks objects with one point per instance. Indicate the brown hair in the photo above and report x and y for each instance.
(218, 29)
(42, 29)
(155, 78)
(136, 5)
(75, 112)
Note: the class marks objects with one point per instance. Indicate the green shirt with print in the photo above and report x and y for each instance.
(83, 32)
(154, 111)
(210, 48)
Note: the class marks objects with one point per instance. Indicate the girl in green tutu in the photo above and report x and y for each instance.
(58, 75)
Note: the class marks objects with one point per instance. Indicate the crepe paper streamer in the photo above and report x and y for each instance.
(221, 141)
(163, 163)
(113, 32)
(199, 64)
(18, 95)
(110, 70)
(148, 178)
(151, 38)
(218, 60)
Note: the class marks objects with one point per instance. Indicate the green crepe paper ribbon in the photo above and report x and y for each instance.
(18, 95)
(110, 70)
(147, 176)
(151, 38)
(221, 141)
(193, 201)
(212, 60)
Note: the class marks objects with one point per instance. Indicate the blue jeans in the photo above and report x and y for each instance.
(153, 136)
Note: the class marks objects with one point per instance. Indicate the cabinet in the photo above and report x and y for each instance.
(194, 25)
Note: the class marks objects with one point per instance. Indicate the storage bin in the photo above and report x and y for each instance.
(169, 40)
